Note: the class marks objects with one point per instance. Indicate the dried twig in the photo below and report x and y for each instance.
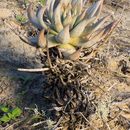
(62, 81)
(59, 128)
(88, 121)
(120, 74)
(48, 55)
(57, 124)
(117, 4)
(68, 103)
(33, 70)
(39, 123)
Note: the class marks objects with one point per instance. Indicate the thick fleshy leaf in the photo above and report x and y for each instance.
(51, 9)
(75, 56)
(80, 18)
(65, 2)
(40, 17)
(104, 32)
(64, 35)
(73, 21)
(52, 42)
(68, 19)
(32, 16)
(66, 49)
(95, 26)
(45, 25)
(41, 39)
(92, 11)
(99, 35)
(91, 41)
(73, 2)
(97, 14)
(78, 30)
(48, 4)
(110, 28)
(74, 7)
(85, 2)
(67, 8)
(57, 18)
(99, 23)
(77, 6)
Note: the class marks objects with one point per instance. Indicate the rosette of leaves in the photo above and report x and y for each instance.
(69, 25)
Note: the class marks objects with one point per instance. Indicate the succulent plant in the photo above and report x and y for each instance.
(70, 25)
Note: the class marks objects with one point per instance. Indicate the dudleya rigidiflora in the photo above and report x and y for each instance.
(70, 24)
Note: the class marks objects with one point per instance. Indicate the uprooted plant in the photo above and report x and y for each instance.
(71, 27)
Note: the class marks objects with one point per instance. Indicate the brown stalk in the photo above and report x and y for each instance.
(48, 55)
